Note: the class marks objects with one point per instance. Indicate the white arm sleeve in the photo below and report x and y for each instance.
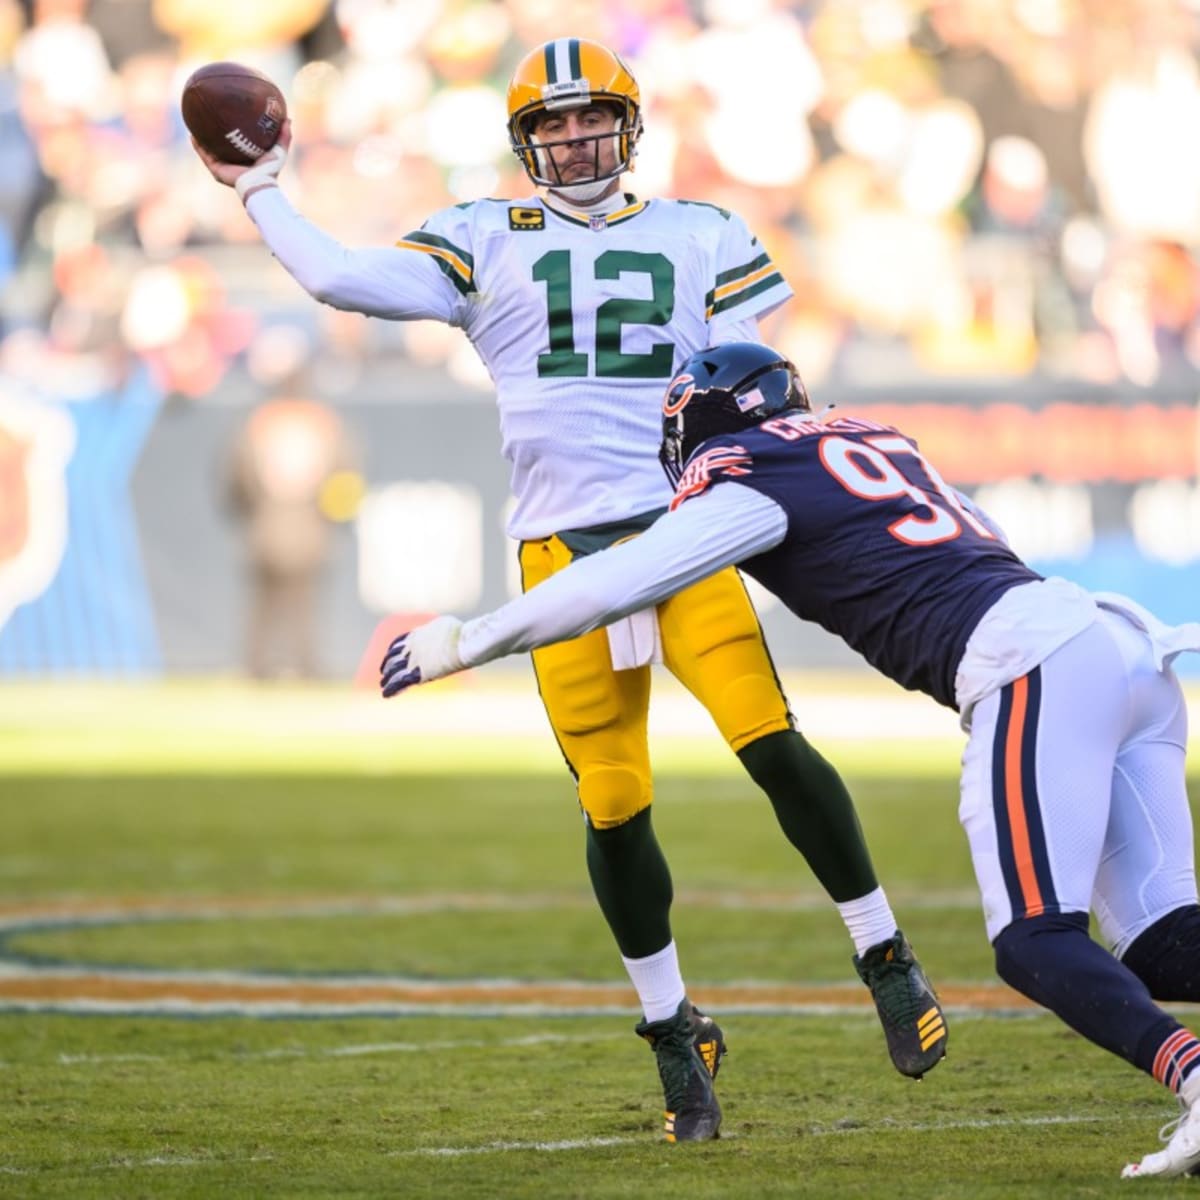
(745, 330)
(380, 282)
(722, 526)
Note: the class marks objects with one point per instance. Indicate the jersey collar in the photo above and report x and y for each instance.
(599, 221)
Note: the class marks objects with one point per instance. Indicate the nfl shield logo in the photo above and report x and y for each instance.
(36, 443)
(14, 495)
(598, 223)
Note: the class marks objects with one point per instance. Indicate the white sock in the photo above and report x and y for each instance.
(869, 919)
(658, 982)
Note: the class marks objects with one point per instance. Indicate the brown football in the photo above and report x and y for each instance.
(234, 112)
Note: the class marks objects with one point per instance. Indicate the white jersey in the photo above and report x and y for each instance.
(581, 323)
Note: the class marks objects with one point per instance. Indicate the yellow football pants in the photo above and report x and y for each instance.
(712, 644)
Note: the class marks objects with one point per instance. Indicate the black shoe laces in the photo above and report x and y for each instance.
(676, 1061)
(891, 987)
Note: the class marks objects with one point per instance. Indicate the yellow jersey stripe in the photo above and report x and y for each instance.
(741, 284)
(446, 256)
(578, 218)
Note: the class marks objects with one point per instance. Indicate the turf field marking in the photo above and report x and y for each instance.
(188, 994)
(77, 912)
(71, 1060)
(885, 1126)
(166, 1160)
(350, 1051)
(504, 1147)
(157, 1160)
(29, 983)
(530, 1039)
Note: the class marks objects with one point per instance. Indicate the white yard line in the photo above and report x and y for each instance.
(884, 1126)
(282, 1009)
(70, 911)
(876, 1127)
(506, 1147)
(133, 1164)
(353, 1050)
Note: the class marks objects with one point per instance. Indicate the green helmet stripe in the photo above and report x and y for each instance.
(551, 70)
(573, 53)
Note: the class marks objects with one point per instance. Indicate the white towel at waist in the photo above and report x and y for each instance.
(1167, 640)
(634, 641)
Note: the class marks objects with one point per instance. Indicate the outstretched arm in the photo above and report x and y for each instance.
(723, 526)
(378, 281)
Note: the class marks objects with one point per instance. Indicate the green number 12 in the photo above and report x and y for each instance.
(563, 360)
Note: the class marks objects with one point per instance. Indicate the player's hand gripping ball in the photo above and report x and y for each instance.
(234, 112)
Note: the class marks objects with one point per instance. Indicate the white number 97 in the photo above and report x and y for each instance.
(865, 469)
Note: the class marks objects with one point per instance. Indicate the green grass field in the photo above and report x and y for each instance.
(268, 943)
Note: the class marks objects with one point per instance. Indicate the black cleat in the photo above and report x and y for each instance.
(912, 1018)
(688, 1048)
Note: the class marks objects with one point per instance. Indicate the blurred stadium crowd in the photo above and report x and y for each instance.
(958, 188)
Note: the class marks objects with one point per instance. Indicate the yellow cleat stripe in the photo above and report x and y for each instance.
(929, 1018)
(935, 1035)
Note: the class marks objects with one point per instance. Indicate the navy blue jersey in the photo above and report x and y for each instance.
(878, 549)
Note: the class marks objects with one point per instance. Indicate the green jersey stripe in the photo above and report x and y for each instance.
(463, 285)
(735, 273)
(441, 243)
(763, 285)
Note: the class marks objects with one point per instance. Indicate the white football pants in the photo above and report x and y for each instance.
(1073, 794)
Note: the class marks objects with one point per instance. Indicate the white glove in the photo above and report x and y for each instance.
(264, 173)
(428, 652)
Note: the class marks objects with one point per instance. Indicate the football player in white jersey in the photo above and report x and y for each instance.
(582, 300)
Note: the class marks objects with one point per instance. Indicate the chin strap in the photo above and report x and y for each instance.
(582, 193)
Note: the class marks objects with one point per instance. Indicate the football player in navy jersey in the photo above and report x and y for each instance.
(1073, 793)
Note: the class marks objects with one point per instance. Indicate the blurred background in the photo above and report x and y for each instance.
(989, 211)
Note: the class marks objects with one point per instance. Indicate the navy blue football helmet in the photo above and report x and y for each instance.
(725, 389)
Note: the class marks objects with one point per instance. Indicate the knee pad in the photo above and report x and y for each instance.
(713, 644)
(1031, 949)
(1166, 957)
(1052, 960)
(611, 795)
(750, 708)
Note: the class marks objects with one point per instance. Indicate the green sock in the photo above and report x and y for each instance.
(633, 884)
(814, 810)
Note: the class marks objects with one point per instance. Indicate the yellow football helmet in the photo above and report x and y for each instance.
(572, 73)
